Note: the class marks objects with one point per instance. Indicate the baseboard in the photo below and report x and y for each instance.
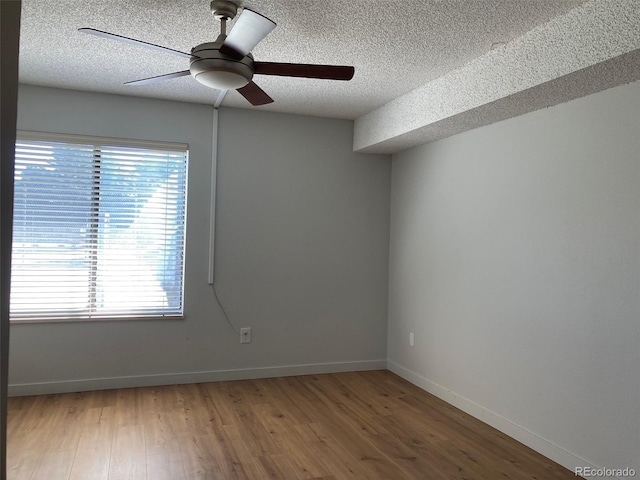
(66, 386)
(506, 426)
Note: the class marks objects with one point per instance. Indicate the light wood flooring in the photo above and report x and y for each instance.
(365, 425)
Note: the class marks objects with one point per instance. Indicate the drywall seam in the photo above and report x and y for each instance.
(66, 386)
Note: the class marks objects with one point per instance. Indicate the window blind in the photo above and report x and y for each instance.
(99, 228)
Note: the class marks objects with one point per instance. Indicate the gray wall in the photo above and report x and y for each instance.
(515, 260)
(302, 248)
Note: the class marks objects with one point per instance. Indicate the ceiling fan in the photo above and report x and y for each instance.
(227, 63)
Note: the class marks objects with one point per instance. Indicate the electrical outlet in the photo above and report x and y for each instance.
(245, 335)
(412, 339)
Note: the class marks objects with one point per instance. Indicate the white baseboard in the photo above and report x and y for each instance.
(506, 426)
(66, 386)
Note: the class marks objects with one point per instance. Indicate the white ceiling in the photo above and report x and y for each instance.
(396, 46)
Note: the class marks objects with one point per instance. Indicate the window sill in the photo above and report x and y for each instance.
(96, 319)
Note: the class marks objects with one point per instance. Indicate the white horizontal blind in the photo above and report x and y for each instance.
(99, 228)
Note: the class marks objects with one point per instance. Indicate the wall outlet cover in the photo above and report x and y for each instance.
(245, 335)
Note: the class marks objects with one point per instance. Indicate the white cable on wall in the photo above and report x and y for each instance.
(212, 208)
(214, 171)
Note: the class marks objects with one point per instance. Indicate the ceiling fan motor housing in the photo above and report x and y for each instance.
(215, 70)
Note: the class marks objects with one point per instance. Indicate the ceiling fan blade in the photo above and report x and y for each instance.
(133, 41)
(255, 95)
(159, 78)
(327, 72)
(248, 31)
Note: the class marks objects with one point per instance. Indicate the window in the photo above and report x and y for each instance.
(99, 228)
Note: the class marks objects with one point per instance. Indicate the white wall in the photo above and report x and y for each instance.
(302, 248)
(515, 259)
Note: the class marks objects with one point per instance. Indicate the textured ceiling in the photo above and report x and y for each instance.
(395, 46)
(592, 47)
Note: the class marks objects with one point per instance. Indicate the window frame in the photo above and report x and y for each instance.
(114, 142)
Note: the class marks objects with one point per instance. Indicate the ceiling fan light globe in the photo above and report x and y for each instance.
(222, 80)
(215, 70)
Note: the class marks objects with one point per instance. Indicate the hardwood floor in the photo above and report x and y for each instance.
(365, 425)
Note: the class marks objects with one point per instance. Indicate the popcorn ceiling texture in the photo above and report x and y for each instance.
(424, 69)
(590, 48)
(396, 46)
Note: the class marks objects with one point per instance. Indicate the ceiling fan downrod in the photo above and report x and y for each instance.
(223, 10)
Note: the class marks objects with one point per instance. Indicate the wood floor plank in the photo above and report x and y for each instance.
(128, 406)
(165, 466)
(199, 461)
(199, 417)
(171, 409)
(102, 398)
(276, 467)
(54, 465)
(341, 405)
(253, 433)
(281, 427)
(66, 429)
(254, 391)
(281, 392)
(165, 421)
(313, 409)
(490, 447)
(21, 464)
(238, 461)
(94, 447)
(425, 445)
(218, 401)
(348, 444)
(341, 467)
(44, 414)
(128, 457)
(370, 392)
(351, 426)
